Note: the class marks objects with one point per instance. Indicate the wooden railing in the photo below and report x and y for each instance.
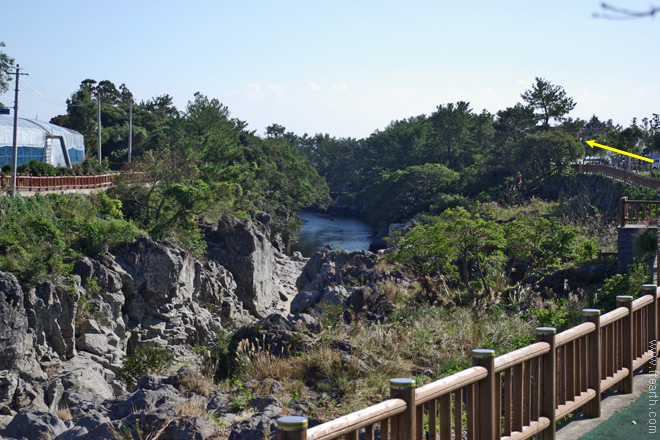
(48, 183)
(619, 174)
(517, 395)
(638, 211)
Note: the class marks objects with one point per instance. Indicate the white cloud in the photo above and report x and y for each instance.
(400, 93)
(314, 86)
(341, 87)
(276, 90)
(253, 91)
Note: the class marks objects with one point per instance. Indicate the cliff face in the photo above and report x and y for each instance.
(58, 342)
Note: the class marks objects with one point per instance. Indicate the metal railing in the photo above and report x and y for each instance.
(517, 395)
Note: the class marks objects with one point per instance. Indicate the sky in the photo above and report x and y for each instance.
(346, 68)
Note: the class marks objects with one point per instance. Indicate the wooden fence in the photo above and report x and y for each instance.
(49, 183)
(638, 211)
(517, 395)
(619, 174)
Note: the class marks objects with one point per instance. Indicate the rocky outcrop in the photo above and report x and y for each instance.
(63, 344)
(264, 276)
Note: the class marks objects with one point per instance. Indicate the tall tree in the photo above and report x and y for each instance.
(550, 100)
(6, 64)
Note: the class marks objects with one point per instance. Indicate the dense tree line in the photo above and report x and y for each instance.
(193, 164)
(432, 162)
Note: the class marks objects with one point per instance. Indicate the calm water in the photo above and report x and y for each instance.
(341, 233)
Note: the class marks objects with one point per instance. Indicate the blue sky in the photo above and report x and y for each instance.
(340, 67)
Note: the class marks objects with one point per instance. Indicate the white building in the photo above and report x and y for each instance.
(41, 141)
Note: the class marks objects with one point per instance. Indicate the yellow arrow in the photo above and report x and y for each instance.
(594, 144)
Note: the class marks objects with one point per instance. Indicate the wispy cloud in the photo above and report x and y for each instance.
(277, 90)
(401, 93)
(314, 86)
(341, 87)
(257, 91)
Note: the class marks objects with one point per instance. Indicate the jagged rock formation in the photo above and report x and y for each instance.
(326, 273)
(263, 275)
(62, 345)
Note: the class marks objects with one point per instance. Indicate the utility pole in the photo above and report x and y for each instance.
(15, 140)
(130, 128)
(98, 100)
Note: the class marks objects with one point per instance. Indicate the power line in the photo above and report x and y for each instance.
(45, 90)
(38, 95)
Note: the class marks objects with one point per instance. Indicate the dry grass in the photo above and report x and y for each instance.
(192, 408)
(244, 415)
(196, 384)
(64, 414)
(420, 341)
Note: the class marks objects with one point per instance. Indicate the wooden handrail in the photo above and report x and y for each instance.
(448, 384)
(522, 393)
(612, 316)
(357, 420)
(521, 355)
(642, 302)
(574, 333)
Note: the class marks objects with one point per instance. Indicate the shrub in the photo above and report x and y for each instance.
(41, 236)
(144, 360)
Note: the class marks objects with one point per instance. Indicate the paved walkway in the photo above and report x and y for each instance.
(623, 416)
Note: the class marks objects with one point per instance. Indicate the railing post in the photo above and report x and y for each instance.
(404, 388)
(548, 397)
(592, 408)
(652, 289)
(487, 417)
(292, 428)
(628, 355)
(623, 205)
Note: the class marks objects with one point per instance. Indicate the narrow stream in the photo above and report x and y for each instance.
(320, 230)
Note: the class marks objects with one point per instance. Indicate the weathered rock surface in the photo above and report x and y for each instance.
(264, 276)
(62, 344)
(344, 268)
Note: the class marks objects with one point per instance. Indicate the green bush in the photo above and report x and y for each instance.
(41, 236)
(627, 283)
(143, 361)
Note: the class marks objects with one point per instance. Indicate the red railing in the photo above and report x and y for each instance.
(49, 183)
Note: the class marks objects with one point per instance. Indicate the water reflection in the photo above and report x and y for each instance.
(320, 230)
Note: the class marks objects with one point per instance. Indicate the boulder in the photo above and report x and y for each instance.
(192, 428)
(18, 358)
(34, 425)
(244, 248)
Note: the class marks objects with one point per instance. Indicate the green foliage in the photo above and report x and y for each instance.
(6, 65)
(646, 243)
(463, 247)
(628, 283)
(404, 193)
(242, 401)
(41, 236)
(556, 313)
(549, 99)
(218, 357)
(144, 360)
(38, 168)
(108, 206)
(330, 316)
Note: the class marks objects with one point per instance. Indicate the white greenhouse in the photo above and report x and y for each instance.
(41, 141)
